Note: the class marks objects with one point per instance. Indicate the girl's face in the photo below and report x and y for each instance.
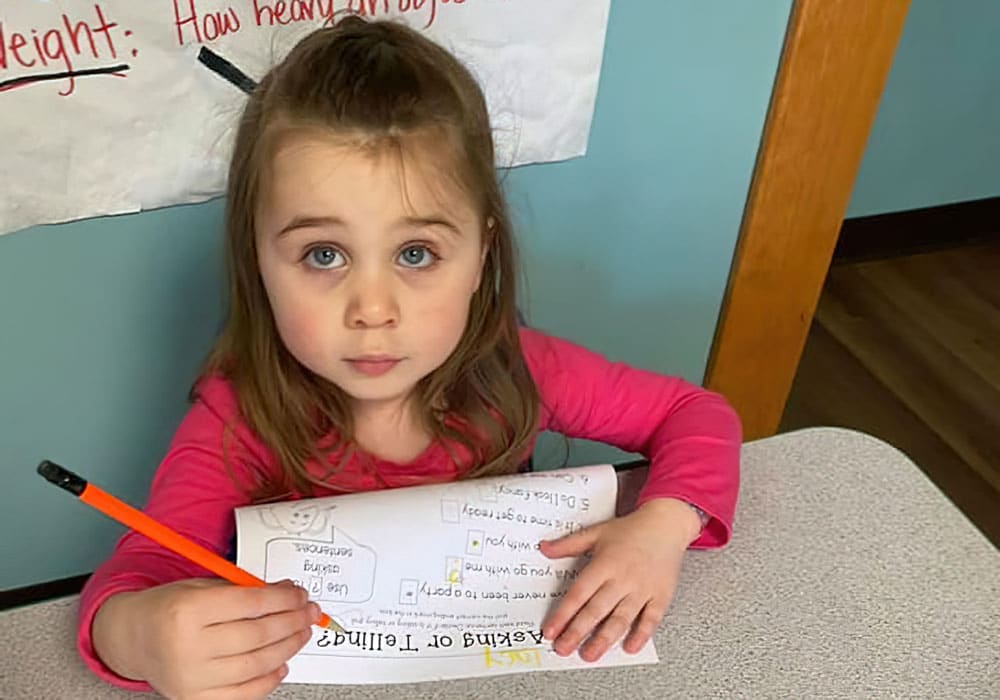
(369, 266)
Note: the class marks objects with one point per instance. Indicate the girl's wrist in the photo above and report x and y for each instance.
(679, 516)
(112, 639)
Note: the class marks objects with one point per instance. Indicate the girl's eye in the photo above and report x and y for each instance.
(417, 256)
(324, 258)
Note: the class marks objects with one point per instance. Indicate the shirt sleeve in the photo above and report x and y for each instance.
(690, 436)
(194, 493)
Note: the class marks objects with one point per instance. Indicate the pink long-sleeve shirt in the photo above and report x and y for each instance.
(690, 436)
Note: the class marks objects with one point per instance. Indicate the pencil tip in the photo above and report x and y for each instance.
(327, 622)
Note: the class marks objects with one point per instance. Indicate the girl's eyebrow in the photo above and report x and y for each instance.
(426, 221)
(310, 222)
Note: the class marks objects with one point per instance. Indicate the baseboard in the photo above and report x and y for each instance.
(39, 592)
(918, 230)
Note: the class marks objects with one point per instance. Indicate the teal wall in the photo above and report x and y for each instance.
(104, 322)
(936, 138)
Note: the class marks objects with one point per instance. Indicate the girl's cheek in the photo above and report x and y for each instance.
(307, 327)
(299, 324)
(447, 315)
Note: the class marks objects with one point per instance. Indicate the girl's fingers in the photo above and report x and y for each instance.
(645, 626)
(576, 597)
(242, 636)
(259, 687)
(228, 603)
(613, 628)
(234, 670)
(588, 617)
(580, 542)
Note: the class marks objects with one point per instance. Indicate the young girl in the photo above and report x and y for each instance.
(372, 342)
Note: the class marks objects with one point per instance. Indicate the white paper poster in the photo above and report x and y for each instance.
(105, 107)
(432, 582)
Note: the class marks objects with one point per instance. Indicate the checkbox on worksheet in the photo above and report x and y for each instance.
(450, 512)
(408, 588)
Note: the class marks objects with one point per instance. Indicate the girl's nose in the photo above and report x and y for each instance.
(372, 303)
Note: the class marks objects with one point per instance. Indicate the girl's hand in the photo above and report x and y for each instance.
(205, 639)
(629, 582)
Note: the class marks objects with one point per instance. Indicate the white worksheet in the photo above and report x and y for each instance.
(432, 582)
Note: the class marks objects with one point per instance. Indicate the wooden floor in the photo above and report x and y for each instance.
(908, 349)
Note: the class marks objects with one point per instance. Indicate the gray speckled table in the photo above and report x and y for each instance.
(849, 575)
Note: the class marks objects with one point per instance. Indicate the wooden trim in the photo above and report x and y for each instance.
(918, 230)
(834, 64)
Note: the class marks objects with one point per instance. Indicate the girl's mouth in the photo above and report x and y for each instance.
(373, 366)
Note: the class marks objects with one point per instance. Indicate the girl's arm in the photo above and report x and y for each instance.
(690, 436)
(194, 494)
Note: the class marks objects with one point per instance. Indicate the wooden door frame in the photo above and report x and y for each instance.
(834, 64)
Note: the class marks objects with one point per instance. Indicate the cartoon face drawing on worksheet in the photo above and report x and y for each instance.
(297, 518)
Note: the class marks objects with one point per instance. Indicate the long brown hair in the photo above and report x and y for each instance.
(374, 83)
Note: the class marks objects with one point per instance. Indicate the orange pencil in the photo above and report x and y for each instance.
(159, 533)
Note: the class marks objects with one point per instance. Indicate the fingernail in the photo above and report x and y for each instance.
(314, 611)
(284, 671)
